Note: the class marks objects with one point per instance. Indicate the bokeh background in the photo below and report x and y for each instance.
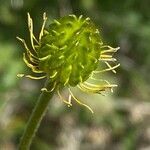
(121, 120)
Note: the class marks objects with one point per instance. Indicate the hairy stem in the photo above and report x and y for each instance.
(36, 117)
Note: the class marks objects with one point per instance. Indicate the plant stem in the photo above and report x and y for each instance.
(36, 117)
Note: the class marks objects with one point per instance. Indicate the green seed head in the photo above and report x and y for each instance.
(69, 49)
(68, 53)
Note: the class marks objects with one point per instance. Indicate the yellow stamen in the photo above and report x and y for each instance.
(45, 57)
(105, 56)
(27, 49)
(33, 68)
(109, 50)
(108, 69)
(30, 76)
(30, 26)
(91, 89)
(65, 101)
(100, 86)
(107, 59)
(53, 75)
(51, 90)
(42, 29)
(79, 102)
(109, 66)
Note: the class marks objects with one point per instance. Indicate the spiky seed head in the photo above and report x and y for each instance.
(68, 53)
(71, 47)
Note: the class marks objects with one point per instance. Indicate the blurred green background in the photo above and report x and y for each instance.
(121, 120)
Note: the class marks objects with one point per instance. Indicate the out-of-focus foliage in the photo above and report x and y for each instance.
(121, 120)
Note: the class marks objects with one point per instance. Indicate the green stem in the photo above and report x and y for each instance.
(36, 117)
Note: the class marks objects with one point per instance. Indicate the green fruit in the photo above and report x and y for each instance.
(70, 47)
